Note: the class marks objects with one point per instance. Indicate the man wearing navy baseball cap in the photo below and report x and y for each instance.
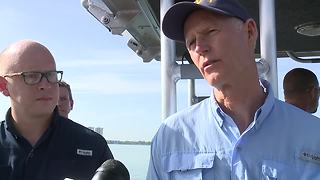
(242, 131)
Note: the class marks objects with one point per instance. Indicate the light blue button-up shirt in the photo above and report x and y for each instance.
(203, 143)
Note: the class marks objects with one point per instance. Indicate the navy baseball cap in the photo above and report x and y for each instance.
(173, 20)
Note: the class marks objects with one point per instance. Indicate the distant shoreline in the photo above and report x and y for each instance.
(129, 142)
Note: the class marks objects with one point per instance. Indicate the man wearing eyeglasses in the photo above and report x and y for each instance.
(35, 141)
(301, 89)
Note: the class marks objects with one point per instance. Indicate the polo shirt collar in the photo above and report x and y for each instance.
(9, 126)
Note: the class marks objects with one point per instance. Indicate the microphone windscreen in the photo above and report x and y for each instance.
(112, 169)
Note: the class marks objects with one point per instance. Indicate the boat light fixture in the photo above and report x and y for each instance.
(309, 29)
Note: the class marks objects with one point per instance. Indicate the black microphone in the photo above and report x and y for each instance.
(112, 169)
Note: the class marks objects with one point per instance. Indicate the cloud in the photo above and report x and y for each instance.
(93, 63)
(10, 14)
(98, 58)
(110, 83)
(111, 72)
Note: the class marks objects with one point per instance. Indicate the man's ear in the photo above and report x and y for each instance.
(315, 91)
(3, 86)
(252, 32)
(71, 104)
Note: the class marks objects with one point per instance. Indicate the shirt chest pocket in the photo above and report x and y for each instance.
(272, 170)
(191, 166)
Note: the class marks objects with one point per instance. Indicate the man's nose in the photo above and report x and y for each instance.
(44, 83)
(201, 46)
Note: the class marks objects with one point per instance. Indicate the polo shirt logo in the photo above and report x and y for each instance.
(84, 152)
(307, 156)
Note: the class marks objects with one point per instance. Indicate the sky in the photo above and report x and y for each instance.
(112, 87)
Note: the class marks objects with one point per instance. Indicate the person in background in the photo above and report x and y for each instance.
(65, 103)
(35, 141)
(242, 131)
(301, 89)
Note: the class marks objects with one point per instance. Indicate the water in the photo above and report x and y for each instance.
(134, 157)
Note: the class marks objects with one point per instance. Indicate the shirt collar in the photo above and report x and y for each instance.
(268, 104)
(9, 126)
(260, 114)
(218, 114)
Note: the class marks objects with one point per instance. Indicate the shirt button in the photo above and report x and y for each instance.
(238, 148)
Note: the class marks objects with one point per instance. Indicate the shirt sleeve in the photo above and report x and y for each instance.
(107, 154)
(155, 170)
(153, 164)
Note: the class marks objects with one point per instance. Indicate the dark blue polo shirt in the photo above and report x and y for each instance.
(66, 149)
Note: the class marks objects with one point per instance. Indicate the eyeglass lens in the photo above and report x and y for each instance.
(36, 77)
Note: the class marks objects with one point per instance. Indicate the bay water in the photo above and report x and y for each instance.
(134, 157)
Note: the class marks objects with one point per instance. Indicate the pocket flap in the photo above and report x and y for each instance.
(187, 161)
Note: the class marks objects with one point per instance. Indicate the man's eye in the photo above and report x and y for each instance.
(190, 44)
(33, 76)
(51, 74)
(212, 31)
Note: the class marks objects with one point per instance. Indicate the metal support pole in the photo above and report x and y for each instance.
(168, 68)
(268, 41)
(191, 91)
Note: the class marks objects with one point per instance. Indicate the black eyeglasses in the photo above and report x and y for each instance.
(33, 77)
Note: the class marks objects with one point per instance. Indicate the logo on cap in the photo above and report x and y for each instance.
(199, 1)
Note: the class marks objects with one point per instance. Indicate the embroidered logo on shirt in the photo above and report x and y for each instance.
(84, 152)
(310, 157)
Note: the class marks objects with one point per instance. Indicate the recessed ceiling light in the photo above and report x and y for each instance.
(309, 29)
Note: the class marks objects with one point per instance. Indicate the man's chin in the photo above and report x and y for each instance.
(63, 113)
(45, 110)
